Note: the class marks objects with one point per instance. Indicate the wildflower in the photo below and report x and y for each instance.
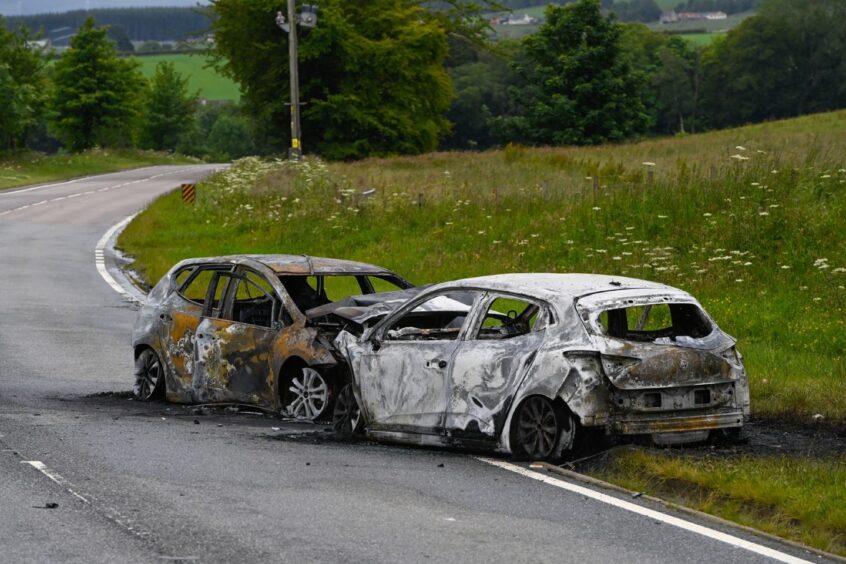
(774, 206)
(495, 242)
(662, 217)
(739, 280)
(616, 258)
(763, 213)
(817, 299)
(629, 228)
(596, 208)
(839, 270)
(569, 241)
(535, 235)
(647, 163)
(747, 263)
(756, 184)
(481, 232)
(760, 152)
(774, 171)
(740, 148)
(821, 264)
(739, 157)
(785, 267)
(803, 288)
(825, 176)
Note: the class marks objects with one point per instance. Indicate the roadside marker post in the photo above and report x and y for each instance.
(189, 193)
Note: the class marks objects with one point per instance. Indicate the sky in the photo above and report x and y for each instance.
(25, 7)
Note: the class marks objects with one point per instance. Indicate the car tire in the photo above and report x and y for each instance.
(542, 430)
(306, 395)
(346, 417)
(149, 376)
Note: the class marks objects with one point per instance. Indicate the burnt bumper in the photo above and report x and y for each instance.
(651, 423)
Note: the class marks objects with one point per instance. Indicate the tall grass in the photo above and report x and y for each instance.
(749, 220)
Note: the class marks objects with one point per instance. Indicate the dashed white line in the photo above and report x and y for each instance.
(650, 513)
(41, 467)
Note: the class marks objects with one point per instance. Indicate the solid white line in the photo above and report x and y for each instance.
(650, 513)
(41, 467)
(100, 261)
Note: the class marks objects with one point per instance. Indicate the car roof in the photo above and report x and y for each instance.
(552, 286)
(298, 264)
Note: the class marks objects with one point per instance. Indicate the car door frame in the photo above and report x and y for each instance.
(491, 406)
(374, 342)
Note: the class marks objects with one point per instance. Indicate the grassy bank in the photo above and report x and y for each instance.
(800, 499)
(748, 220)
(24, 169)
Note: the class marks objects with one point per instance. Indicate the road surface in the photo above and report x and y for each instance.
(154, 483)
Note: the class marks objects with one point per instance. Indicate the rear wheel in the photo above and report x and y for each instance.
(347, 415)
(542, 430)
(149, 376)
(306, 395)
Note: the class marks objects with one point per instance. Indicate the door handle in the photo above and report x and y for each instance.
(439, 363)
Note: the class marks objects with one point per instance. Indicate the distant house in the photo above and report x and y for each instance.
(525, 19)
(39, 44)
(674, 17)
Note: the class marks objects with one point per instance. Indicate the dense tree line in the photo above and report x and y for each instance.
(139, 24)
(727, 6)
(392, 77)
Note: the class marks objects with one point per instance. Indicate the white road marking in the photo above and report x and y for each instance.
(646, 512)
(100, 258)
(68, 197)
(41, 467)
(75, 180)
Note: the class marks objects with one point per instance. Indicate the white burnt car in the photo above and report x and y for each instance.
(521, 363)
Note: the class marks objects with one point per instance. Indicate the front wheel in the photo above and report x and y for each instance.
(542, 430)
(347, 415)
(149, 376)
(306, 395)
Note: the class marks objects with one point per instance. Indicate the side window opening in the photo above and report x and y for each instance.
(197, 286)
(180, 277)
(215, 294)
(253, 301)
(380, 284)
(655, 321)
(510, 317)
(439, 318)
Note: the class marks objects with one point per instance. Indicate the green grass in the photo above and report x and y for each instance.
(23, 169)
(701, 39)
(796, 498)
(743, 229)
(201, 77)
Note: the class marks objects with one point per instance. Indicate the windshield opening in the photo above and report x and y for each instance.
(309, 292)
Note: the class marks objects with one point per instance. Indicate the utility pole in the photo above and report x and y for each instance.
(308, 18)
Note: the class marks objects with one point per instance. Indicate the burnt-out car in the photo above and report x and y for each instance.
(522, 363)
(236, 330)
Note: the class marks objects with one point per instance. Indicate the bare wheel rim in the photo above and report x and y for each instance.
(537, 428)
(308, 395)
(347, 413)
(149, 375)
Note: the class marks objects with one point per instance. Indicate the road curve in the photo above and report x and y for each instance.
(151, 482)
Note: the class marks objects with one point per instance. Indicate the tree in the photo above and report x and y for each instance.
(372, 74)
(169, 112)
(788, 60)
(97, 95)
(23, 86)
(580, 89)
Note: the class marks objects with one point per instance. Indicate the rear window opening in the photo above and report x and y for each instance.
(663, 323)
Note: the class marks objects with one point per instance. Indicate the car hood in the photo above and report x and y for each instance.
(363, 308)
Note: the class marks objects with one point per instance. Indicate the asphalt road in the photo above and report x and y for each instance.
(152, 482)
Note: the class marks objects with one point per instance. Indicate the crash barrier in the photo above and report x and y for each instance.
(189, 193)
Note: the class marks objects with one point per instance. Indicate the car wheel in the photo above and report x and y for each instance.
(306, 395)
(542, 430)
(149, 376)
(346, 417)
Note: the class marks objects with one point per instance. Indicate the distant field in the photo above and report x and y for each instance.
(700, 39)
(211, 85)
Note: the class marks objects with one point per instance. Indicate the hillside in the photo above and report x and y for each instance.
(749, 220)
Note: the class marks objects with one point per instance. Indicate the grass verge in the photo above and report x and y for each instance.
(800, 499)
(28, 168)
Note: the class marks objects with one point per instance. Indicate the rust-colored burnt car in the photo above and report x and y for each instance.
(521, 363)
(235, 330)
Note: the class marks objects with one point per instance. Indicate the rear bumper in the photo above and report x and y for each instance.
(651, 423)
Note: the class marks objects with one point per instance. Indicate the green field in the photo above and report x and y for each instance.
(23, 169)
(201, 77)
(708, 26)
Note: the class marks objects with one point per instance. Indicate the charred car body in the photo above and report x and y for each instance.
(234, 330)
(523, 362)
